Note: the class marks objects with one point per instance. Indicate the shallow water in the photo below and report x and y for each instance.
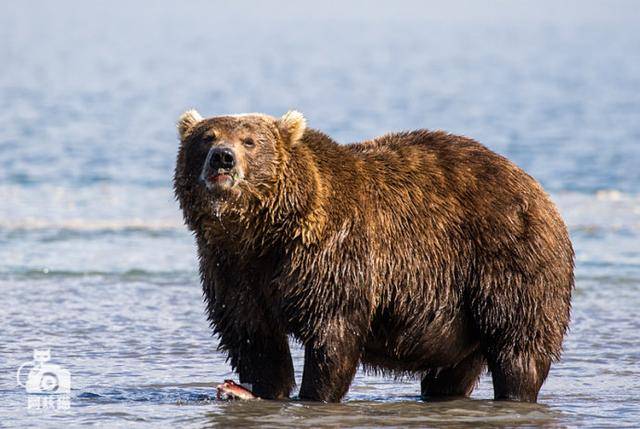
(95, 262)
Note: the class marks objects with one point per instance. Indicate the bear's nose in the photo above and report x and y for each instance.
(222, 157)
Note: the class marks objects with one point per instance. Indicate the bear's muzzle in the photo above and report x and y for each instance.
(219, 170)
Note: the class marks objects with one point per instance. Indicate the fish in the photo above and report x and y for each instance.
(229, 390)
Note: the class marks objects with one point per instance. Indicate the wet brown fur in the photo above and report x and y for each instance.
(418, 252)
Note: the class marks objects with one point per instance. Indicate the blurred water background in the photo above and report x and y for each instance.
(96, 264)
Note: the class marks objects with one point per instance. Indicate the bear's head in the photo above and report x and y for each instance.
(229, 163)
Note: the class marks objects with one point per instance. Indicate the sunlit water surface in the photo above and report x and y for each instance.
(95, 262)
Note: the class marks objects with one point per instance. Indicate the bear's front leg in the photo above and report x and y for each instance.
(264, 361)
(329, 366)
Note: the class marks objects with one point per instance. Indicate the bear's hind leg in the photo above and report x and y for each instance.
(518, 378)
(455, 381)
(521, 319)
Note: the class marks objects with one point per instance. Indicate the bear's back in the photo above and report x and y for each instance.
(438, 193)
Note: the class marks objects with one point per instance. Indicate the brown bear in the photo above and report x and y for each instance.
(416, 253)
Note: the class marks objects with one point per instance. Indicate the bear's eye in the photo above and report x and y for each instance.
(248, 142)
(209, 138)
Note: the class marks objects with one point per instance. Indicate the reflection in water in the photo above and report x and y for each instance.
(399, 412)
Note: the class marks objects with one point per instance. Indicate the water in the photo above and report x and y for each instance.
(95, 262)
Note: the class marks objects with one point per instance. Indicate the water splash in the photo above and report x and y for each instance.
(217, 211)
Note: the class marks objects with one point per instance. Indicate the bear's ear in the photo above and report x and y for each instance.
(186, 122)
(293, 124)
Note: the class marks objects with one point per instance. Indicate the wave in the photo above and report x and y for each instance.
(91, 225)
(605, 211)
(156, 277)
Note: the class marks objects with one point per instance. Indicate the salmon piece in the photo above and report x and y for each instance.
(229, 390)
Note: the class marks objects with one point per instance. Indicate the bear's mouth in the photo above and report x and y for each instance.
(221, 180)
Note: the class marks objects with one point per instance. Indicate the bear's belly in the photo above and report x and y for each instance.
(405, 345)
